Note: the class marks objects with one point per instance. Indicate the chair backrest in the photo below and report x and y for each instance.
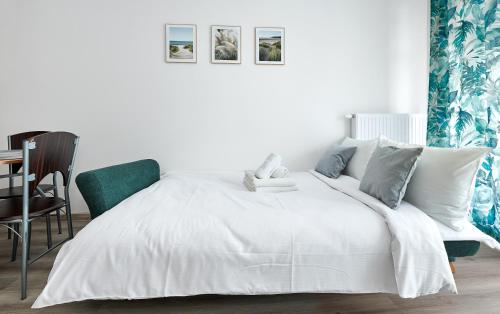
(15, 141)
(52, 152)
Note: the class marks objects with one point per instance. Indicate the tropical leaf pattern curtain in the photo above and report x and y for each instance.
(464, 93)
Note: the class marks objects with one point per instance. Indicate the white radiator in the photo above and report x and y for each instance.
(401, 127)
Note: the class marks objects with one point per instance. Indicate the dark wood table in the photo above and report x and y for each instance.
(10, 157)
(10, 160)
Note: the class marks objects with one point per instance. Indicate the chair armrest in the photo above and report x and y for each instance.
(104, 188)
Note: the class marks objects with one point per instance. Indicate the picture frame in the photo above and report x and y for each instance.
(226, 44)
(270, 45)
(181, 43)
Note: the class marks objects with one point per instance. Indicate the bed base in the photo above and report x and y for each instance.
(456, 249)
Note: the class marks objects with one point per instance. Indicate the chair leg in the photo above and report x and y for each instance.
(9, 232)
(68, 213)
(49, 231)
(58, 215)
(69, 220)
(25, 258)
(28, 242)
(15, 242)
(56, 195)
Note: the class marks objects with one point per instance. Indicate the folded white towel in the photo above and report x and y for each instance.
(277, 182)
(280, 172)
(270, 189)
(272, 162)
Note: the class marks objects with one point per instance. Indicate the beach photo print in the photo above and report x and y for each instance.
(269, 45)
(180, 43)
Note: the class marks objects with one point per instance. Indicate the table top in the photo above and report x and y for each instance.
(10, 161)
(10, 157)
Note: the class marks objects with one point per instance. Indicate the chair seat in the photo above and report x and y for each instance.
(11, 209)
(17, 191)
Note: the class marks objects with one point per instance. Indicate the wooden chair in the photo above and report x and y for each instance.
(43, 154)
(15, 141)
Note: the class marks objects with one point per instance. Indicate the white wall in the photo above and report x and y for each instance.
(96, 68)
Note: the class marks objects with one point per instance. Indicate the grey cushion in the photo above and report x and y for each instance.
(335, 160)
(388, 173)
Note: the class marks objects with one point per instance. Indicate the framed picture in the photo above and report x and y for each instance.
(180, 41)
(226, 44)
(269, 45)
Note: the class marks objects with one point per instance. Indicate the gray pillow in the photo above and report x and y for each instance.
(388, 173)
(335, 160)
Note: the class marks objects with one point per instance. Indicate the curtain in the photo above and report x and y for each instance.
(464, 93)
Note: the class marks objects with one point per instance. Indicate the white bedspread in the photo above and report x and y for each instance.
(206, 234)
(420, 259)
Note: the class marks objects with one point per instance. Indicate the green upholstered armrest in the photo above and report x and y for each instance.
(104, 188)
(460, 249)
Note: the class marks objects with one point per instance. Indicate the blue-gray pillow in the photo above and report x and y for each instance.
(388, 172)
(335, 160)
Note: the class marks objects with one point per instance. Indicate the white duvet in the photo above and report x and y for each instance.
(194, 234)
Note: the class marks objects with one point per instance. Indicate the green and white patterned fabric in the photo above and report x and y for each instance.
(464, 93)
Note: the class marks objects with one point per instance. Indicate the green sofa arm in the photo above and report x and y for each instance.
(104, 188)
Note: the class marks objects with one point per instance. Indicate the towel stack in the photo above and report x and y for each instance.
(271, 176)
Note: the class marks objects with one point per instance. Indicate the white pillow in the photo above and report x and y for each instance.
(443, 183)
(357, 165)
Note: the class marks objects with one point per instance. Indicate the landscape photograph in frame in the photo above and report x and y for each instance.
(269, 45)
(226, 44)
(180, 43)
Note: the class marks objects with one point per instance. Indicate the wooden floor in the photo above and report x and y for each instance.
(478, 281)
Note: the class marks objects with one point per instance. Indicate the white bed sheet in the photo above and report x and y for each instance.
(194, 234)
(470, 232)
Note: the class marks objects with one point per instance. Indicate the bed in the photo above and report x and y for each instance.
(191, 234)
